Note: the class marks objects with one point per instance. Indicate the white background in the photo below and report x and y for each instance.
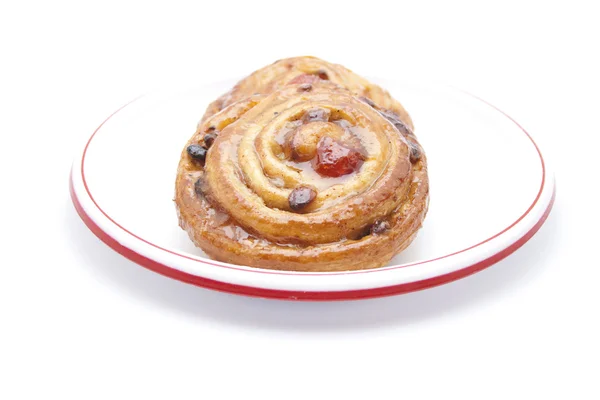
(81, 322)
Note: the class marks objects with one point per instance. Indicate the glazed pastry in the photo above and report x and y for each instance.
(303, 166)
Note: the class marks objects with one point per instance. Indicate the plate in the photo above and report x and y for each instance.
(491, 190)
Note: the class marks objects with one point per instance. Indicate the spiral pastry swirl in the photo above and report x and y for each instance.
(303, 166)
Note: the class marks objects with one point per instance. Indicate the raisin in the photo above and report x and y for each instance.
(415, 152)
(199, 187)
(301, 197)
(197, 152)
(322, 74)
(368, 101)
(391, 116)
(379, 227)
(209, 139)
(403, 128)
(398, 123)
(305, 87)
(316, 114)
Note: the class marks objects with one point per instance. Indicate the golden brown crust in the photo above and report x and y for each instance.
(235, 206)
(275, 76)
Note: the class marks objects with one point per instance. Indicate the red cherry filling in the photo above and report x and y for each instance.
(335, 159)
(304, 79)
(310, 78)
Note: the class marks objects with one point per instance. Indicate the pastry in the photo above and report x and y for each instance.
(303, 166)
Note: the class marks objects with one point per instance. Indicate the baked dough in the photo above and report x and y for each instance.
(303, 166)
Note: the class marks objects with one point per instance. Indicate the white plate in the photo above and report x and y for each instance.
(490, 192)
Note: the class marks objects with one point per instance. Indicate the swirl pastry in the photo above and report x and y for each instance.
(303, 166)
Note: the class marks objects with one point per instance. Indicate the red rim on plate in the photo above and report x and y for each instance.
(305, 295)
